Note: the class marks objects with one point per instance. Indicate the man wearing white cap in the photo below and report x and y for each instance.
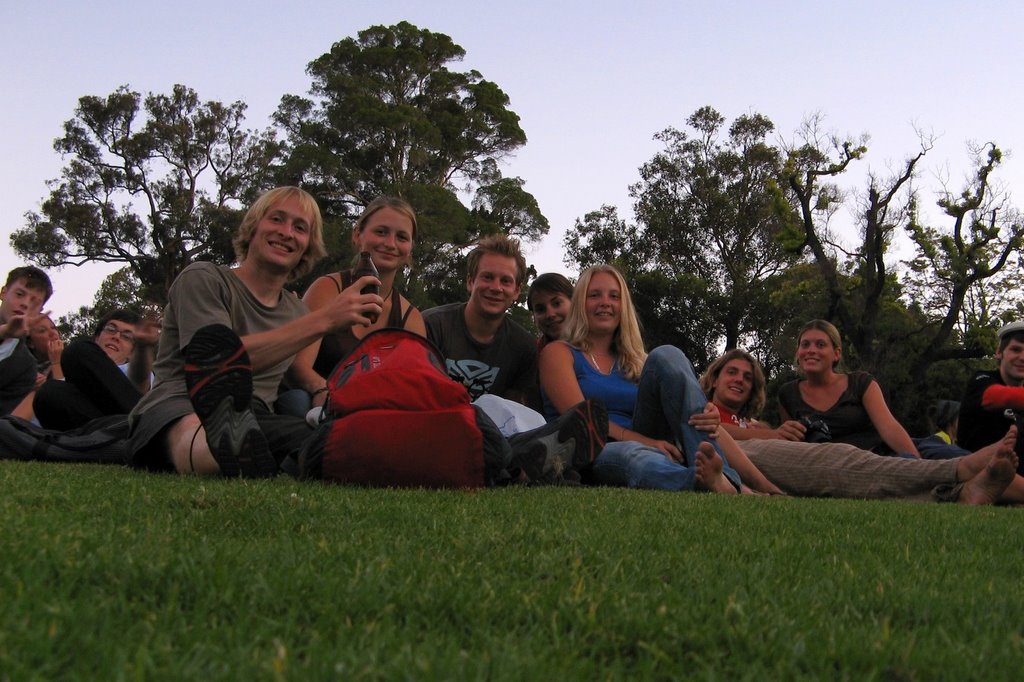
(994, 399)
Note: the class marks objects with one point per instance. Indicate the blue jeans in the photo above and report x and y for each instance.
(294, 402)
(668, 394)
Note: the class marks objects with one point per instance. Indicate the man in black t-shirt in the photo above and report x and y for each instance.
(994, 399)
(484, 348)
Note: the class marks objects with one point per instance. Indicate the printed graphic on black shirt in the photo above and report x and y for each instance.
(476, 376)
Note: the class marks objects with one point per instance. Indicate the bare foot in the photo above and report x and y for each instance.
(709, 470)
(969, 466)
(986, 487)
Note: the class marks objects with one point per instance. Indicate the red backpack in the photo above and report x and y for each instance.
(395, 418)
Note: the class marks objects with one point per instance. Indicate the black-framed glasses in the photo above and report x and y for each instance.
(125, 334)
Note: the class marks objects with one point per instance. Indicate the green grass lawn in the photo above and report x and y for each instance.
(111, 574)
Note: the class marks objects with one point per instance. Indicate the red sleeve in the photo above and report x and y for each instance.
(997, 397)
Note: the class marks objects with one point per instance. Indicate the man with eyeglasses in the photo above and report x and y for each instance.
(105, 375)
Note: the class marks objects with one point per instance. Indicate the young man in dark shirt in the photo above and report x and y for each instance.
(994, 399)
(21, 301)
(484, 348)
(496, 359)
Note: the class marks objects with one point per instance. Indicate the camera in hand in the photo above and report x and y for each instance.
(817, 430)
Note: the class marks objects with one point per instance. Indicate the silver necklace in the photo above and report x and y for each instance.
(597, 366)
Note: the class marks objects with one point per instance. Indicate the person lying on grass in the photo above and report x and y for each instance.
(658, 416)
(103, 376)
(735, 384)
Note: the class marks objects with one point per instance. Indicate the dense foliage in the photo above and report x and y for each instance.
(387, 115)
(734, 245)
(153, 183)
(733, 242)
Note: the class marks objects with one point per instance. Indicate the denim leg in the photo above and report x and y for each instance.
(633, 465)
(668, 394)
(294, 402)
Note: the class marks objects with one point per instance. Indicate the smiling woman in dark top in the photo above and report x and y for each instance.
(852, 405)
(387, 230)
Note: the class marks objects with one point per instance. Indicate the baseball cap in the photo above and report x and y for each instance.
(1017, 326)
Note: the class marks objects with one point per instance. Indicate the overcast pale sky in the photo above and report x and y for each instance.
(591, 81)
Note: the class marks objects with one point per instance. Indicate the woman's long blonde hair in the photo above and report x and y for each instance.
(627, 343)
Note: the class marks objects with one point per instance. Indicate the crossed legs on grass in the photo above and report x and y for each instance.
(222, 436)
(632, 464)
(667, 395)
(988, 485)
(975, 463)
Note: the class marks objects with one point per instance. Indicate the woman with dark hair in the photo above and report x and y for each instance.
(845, 407)
(548, 301)
(387, 230)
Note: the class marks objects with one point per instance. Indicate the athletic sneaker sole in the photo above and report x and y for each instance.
(589, 431)
(218, 374)
(558, 452)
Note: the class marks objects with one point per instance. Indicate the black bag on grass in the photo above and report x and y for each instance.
(100, 441)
